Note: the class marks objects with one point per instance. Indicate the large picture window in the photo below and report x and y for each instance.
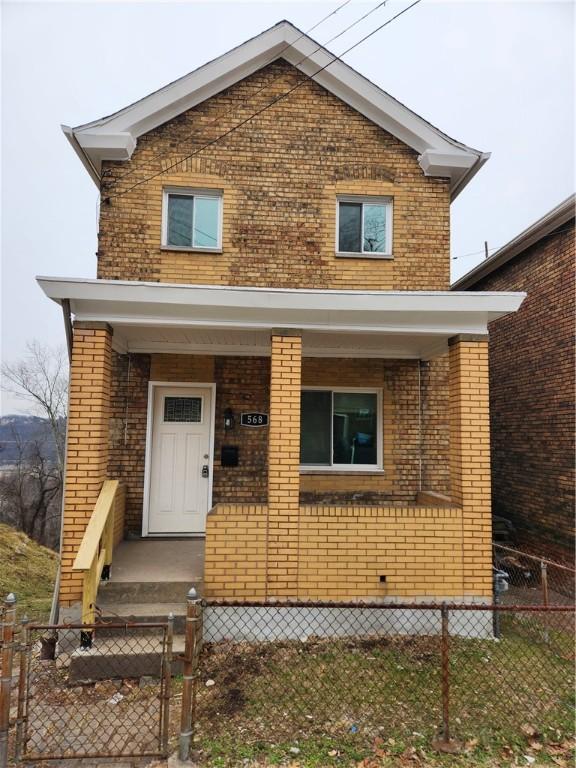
(364, 226)
(192, 220)
(340, 428)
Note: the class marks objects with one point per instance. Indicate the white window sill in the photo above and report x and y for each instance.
(341, 471)
(345, 255)
(185, 249)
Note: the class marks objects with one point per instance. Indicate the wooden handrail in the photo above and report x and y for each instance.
(95, 551)
(93, 533)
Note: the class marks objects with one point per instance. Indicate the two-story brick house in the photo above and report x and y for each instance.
(270, 356)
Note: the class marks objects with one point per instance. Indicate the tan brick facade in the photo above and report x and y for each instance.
(284, 466)
(421, 551)
(342, 553)
(279, 175)
(470, 457)
(87, 444)
(277, 531)
(415, 427)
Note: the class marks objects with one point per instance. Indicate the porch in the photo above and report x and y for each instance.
(392, 502)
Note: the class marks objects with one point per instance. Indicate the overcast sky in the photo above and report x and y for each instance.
(498, 76)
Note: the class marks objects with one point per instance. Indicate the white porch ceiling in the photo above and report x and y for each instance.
(200, 319)
(217, 341)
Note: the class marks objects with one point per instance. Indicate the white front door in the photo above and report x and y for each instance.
(180, 460)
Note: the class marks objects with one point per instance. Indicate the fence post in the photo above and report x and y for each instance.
(167, 684)
(445, 674)
(545, 596)
(22, 686)
(8, 623)
(544, 575)
(193, 640)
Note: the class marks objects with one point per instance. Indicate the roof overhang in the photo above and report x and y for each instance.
(545, 226)
(162, 317)
(115, 137)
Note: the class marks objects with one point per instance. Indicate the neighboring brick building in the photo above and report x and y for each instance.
(270, 355)
(532, 382)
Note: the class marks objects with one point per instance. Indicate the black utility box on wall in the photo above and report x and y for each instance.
(229, 456)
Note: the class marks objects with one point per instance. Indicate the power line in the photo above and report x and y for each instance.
(283, 96)
(262, 88)
(497, 247)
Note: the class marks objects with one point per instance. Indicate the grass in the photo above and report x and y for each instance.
(28, 570)
(375, 702)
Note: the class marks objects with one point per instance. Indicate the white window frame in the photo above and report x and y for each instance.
(212, 194)
(387, 202)
(378, 467)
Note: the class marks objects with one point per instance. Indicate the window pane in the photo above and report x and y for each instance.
(180, 220)
(350, 228)
(315, 417)
(375, 228)
(355, 428)
(206, 221)
(183, 409)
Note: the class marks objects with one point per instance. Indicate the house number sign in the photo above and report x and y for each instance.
(254, 419)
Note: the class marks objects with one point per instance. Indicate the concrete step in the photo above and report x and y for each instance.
(119, 613)
(122, 592)
(112, 658)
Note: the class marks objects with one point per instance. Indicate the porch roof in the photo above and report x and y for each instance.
(165, 317)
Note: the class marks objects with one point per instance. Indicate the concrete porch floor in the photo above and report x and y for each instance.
(158, 560)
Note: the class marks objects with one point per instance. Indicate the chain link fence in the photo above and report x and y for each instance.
(350, 676)
(316, 683)
(534, 580)
(87, 691)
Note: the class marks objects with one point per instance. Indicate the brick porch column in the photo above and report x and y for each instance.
(470, 458)
(283, 465)
(87, 443)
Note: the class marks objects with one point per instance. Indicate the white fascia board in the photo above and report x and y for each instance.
(168, 305)
(303, 52)
(191, 89)
(110, 146)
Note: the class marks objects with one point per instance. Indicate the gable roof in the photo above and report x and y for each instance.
(115, 137)
(546, 225)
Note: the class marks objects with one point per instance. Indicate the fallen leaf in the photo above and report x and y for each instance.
(528, 730)
(535, 745)
(470, 745)
(559, 761)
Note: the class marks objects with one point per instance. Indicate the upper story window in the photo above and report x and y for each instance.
(364, 226)
(192, 219)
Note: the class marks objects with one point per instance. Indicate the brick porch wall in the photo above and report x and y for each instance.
(341, 552)
(334, 551)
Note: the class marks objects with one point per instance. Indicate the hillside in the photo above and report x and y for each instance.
(28, 570)
(23, 430)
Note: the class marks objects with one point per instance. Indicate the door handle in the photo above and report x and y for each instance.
(205, 470)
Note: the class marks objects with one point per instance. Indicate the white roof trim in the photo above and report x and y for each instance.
(555, 218)
(442, 313)
(115, 137)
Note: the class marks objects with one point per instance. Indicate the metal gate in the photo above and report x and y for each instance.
(93, 690)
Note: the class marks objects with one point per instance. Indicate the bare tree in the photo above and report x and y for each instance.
(30, 492)
(31, 487)
(41, 378)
